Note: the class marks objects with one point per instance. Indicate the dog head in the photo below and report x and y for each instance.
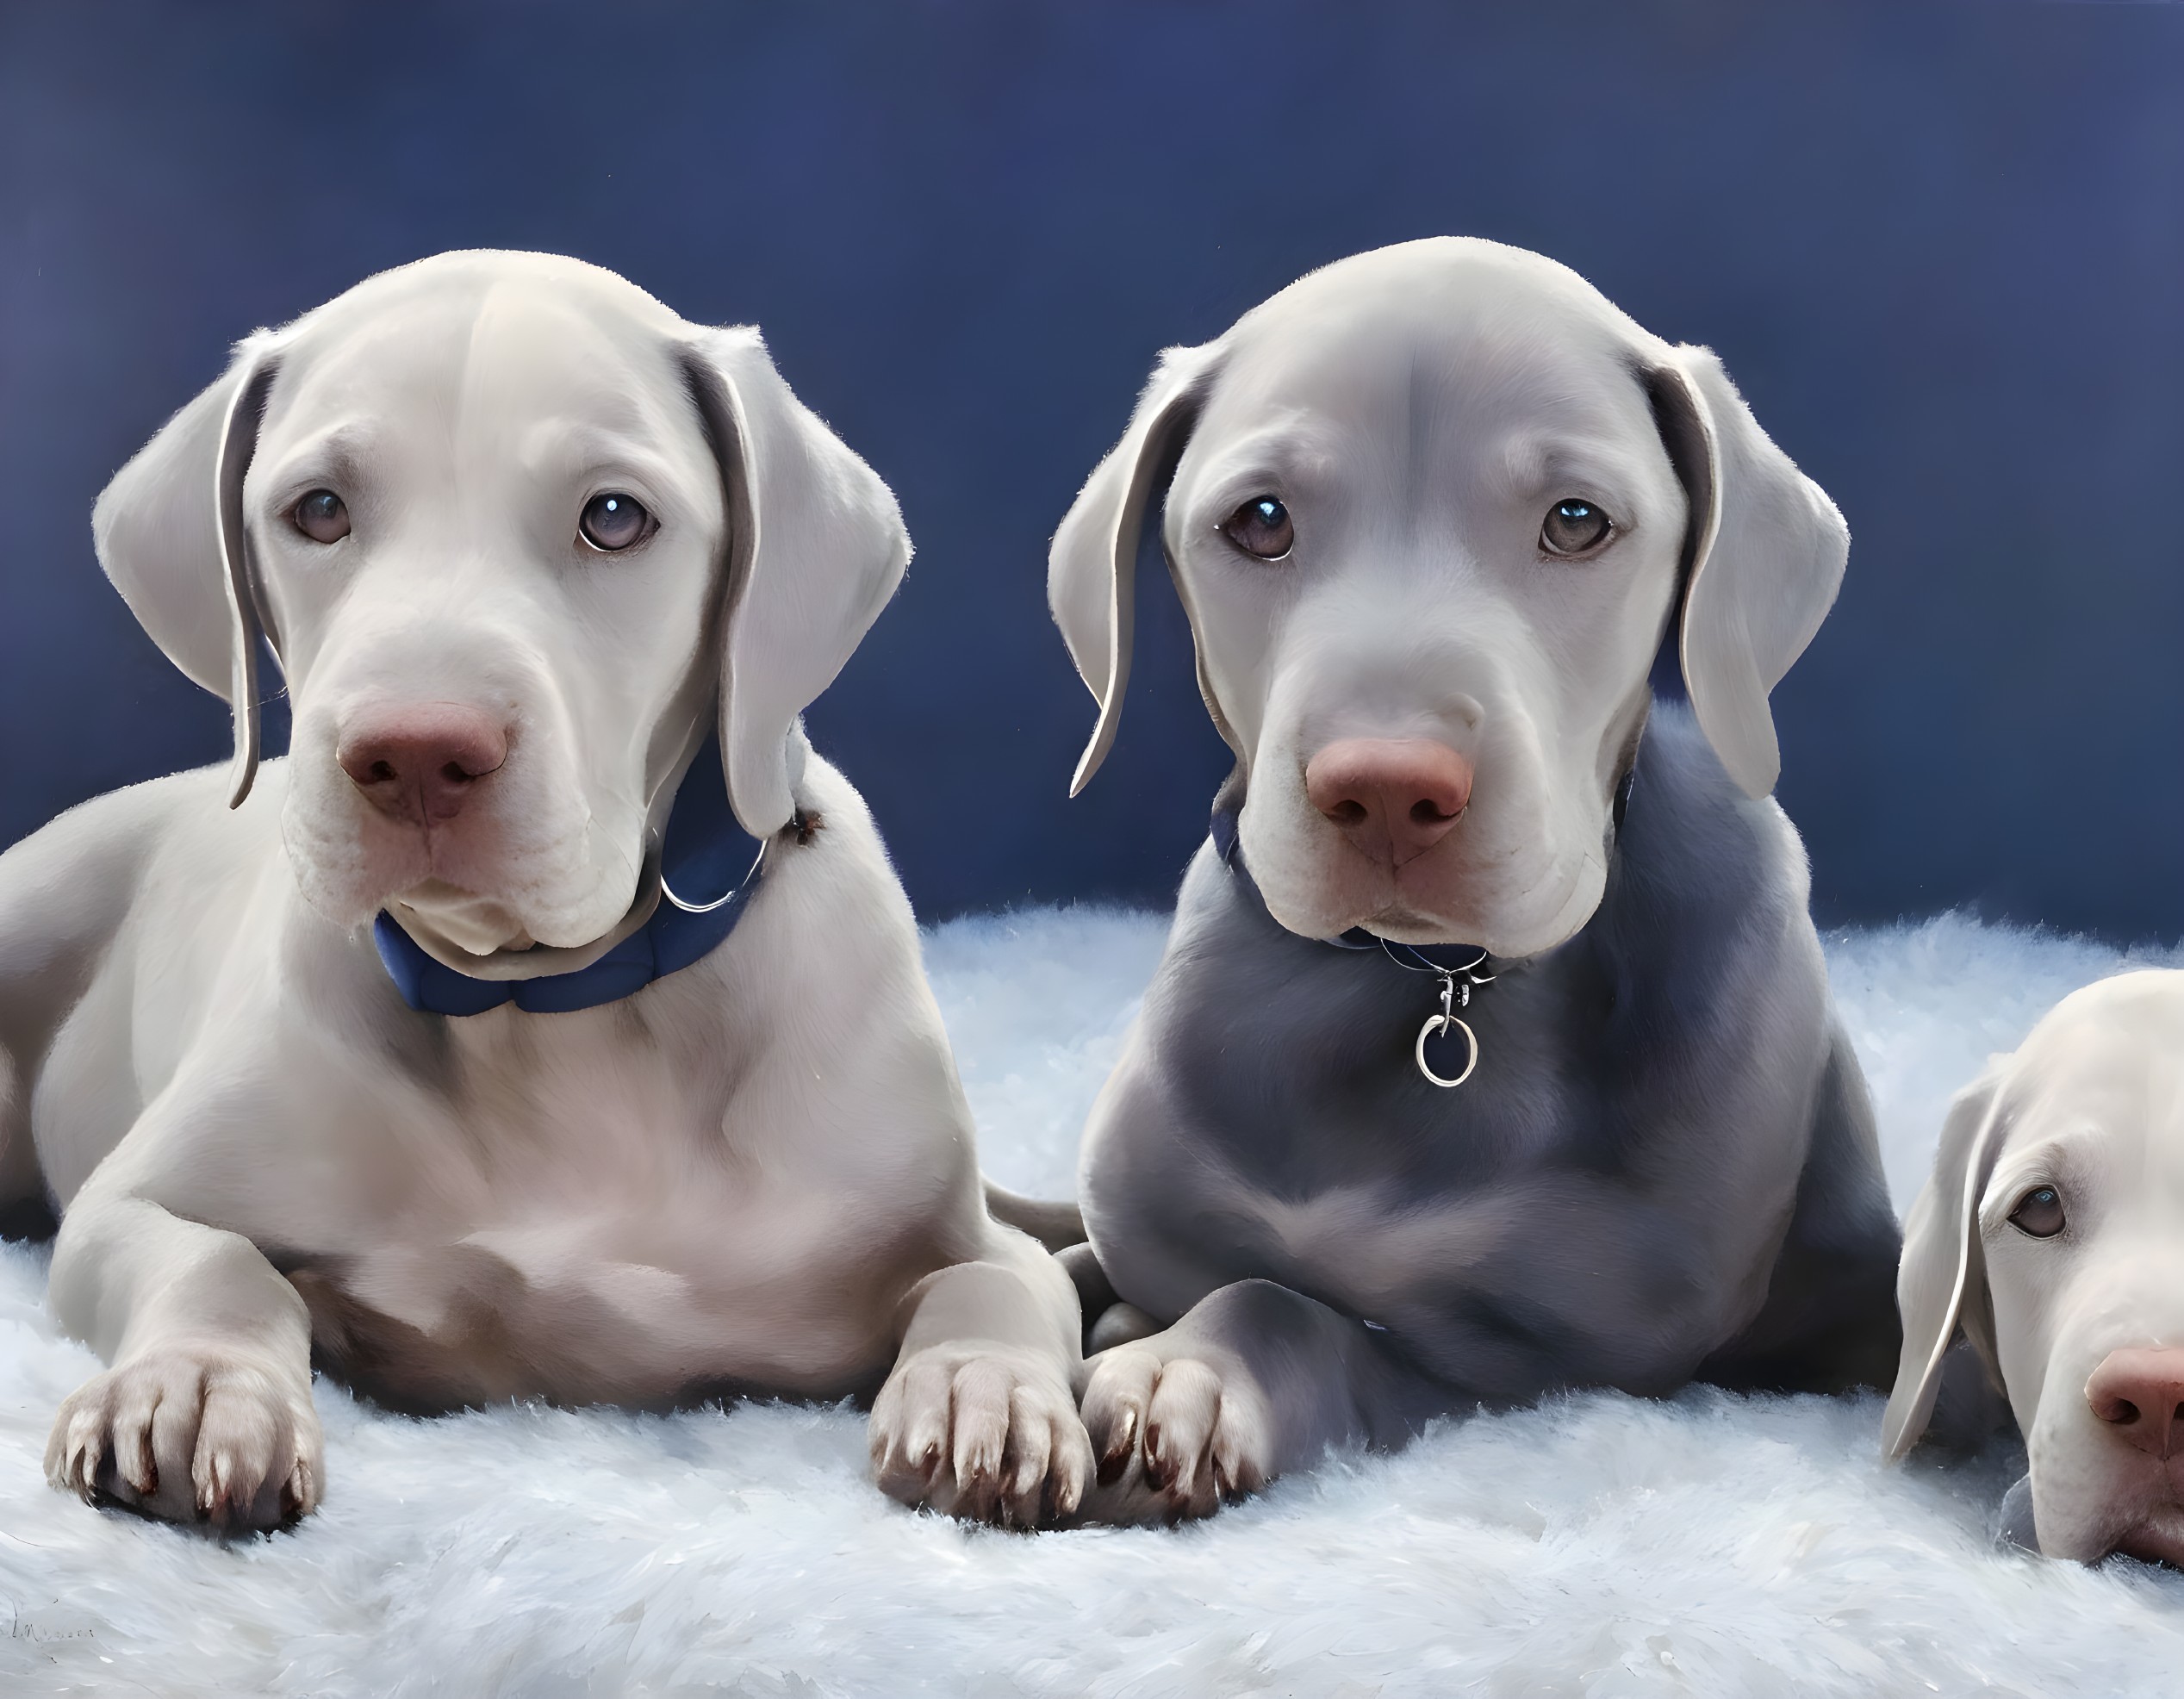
(2051, 1234)
(512, 529)
(1429, 511)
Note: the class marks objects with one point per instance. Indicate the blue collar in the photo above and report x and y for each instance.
(706, 852)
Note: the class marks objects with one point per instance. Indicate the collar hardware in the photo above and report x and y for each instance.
(1458, 979)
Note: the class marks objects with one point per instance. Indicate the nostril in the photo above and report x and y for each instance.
(421, 766)
(2111, 1406)
(2139, 1394)
(1394, 798)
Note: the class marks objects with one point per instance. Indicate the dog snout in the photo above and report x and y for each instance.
(2139, 1393)
(1393, 798)
(422, 765)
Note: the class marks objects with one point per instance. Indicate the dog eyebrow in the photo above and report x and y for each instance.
(337, 457)
(1531, 463)
(1284, 453)
(2057, 1159)
(562, 447)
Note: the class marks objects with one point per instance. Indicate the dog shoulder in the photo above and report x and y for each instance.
(1695, 845)
(830, 869)
(67, 889)
(827, 962)
(1707, 911)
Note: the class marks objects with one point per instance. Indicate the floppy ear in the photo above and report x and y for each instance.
(1942, 1284)
(1091, 570)
(168, 531)
(1764, 552)
(816, 546)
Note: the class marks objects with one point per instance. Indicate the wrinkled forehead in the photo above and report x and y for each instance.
(483, 359)
(1474, 345)
(2105, 1077)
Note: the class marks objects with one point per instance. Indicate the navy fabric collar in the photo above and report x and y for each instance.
(707, 852)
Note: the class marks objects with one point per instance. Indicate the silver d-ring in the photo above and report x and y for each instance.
(1436, 1024)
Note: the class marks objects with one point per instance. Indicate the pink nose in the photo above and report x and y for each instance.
(421, 764)
(2140, 1394)
(1395, 798)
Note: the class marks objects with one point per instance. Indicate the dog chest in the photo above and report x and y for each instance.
(623, 1299)
(600, 1221)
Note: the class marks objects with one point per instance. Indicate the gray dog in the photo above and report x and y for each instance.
(1492, 1051)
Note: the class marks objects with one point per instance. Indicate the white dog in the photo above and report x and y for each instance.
(2052, 1235)
(405, 1060)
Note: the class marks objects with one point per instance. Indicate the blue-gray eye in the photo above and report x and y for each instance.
(322, 517)
(1573, 526)
(1261, 528)
(2038, 1212)
(612, 522)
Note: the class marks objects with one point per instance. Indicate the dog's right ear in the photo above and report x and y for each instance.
(168, 531)
(1091, 568)
(1942, 1284)
(1766, 550)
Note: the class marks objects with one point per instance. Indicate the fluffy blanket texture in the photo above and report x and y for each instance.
(1598, 1545)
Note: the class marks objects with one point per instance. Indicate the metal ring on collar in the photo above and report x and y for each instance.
(1438, 1023)
(668, 891)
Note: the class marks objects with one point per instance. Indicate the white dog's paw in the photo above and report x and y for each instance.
(191, 1436)
(985, 1433)
(1175, 1435)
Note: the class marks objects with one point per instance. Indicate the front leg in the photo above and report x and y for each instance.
(206, 1412)
(1253, 1381)
(978, 1418)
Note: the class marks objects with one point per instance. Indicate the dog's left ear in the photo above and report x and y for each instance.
(168, 531)
(1764, 552)
(1941, 1285)
(816, 546)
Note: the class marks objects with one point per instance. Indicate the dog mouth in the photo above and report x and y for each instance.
(477, 903)
(2135, 1512)
(476, 924)
(1422, 904)
(1416, 910)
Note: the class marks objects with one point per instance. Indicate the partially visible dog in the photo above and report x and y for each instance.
(2051, 1237)
(1431, 512)
(405, 1060)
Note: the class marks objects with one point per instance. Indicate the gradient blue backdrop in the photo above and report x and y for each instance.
(1942, 249)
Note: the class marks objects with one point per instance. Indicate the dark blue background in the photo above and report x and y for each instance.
(1942, 249)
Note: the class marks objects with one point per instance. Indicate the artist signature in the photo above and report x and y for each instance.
(22, 1628)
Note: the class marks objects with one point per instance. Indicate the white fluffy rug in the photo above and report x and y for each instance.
(1600, 1545)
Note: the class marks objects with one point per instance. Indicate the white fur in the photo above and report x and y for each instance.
(1601, 1544)
(758, 1170)
(2092, 1105)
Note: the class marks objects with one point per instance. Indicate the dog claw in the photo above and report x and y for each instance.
(1120, 1449)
